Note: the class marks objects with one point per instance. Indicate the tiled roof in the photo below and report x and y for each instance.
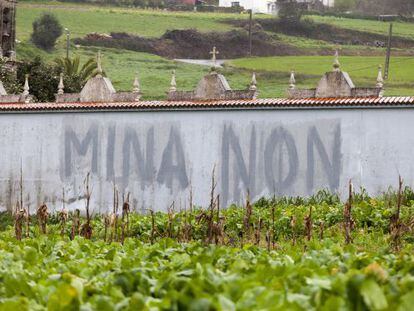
(276, 103)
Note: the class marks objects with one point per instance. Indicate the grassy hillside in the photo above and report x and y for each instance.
(154, 71)
(81, 20)
(401, 29)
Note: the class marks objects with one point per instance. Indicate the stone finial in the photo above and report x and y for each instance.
(136, 85)
(214, 54)
(292, 81)
(380, 79)
(173, 84)
(99, 64)
(61, 86)
(26, 90)
(12, 56)
(336, 64)
(253, 83)
(26, 87)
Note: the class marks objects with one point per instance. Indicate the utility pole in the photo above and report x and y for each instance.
(250, 31)
(67, 42)
(388, 56)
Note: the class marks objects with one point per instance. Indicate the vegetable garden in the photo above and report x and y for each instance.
(316, 253)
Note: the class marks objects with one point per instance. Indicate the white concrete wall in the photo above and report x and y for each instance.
(158, 155)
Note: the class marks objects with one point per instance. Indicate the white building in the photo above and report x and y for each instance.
(257, 6)
(263, 6)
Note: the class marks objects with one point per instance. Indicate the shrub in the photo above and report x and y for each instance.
(8, 77)
(46, 30)
(44, 78)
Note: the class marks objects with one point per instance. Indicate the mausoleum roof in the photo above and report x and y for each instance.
(272, 103)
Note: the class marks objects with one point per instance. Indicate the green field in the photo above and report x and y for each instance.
(81, 20)
(154, 71)
(401, 29)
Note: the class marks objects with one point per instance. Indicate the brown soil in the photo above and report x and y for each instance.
(194, 44)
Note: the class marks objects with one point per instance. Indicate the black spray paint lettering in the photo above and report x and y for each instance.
(332, 168)
(110, 154)
(90, 141)
(169, 170)
(144, 165)
(275, 170)
(134, 159)
(247, 177)
(280, 149)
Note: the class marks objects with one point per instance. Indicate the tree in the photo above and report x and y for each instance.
(46, 30)
(44, 79)
(8, 78)
(75, 75)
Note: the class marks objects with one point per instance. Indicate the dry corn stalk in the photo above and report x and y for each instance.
(75, 224)
(268, 239)
(125, 217)
(107, 222)
(42, 215)
(247, 216)
(112, 224)
(187, 228)
(395, 223)
(171, 216)
(321, 230)
(308, 225)
(86, 229)
(348, 221)
(63, 218)
(293, 226)
(152, 237)
(20, 216)
(258, 232)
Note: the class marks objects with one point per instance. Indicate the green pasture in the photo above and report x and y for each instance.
(81, 20)
(401, 29)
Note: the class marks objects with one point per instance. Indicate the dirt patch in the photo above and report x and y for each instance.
(194, 44)
(325, 32)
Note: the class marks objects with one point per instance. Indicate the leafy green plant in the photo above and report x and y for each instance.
(76, 74)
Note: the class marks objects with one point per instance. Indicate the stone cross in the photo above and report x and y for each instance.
(214, 54)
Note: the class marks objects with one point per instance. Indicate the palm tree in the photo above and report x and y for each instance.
(76, 75)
